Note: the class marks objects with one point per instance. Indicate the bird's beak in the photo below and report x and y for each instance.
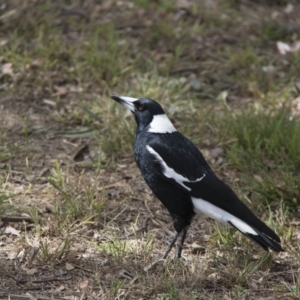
(126, 101)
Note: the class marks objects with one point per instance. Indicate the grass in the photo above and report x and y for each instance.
(266, 149)
(219, 76)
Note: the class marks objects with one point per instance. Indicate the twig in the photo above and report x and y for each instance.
(19, 181)
(33, 252)
(116, 217)
(149, 210)
(109, 186)
(13, 296)
(82, 268)
(42, 280)
(187, 69)
(22, 281)
(103, 297)
(140, 230)
(73, 11)
(133, 26)
(16, 219)
(3, 224)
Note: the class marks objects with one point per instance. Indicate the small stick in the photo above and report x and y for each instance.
(187, 69)
(22, 281)
(16, 219)
(3, 224)
(13, 296)
(140, 230)
(32, 254)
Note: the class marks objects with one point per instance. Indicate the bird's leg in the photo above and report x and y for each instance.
(184, 232)
(171, 245)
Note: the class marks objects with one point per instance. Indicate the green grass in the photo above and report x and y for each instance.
(6, 154)
(265, 149)
(70, 208)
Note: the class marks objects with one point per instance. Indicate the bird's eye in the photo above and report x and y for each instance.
(140, 107)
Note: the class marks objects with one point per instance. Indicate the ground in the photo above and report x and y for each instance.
(77, 219)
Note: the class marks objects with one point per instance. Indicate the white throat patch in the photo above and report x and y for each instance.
(161, 124)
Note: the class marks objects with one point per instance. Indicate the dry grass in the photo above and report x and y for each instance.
(66, 149)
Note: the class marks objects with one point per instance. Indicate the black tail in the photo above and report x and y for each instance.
(263, 240)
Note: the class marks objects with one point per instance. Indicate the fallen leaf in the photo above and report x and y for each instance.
(197, 84)
(69, 267)
(31, 271)
(222, 97)
(12, 254)
(254, 285)
(206, 237)
(289, 8)
(82, 153)
(83, 284)
(36, 63)
(61, 90)
(197, 249)
(49, 102)
(75, 89)
(9, 14)
(60, 288)
(283, 48)
(258, 178)
(268, 69)
(125, 274)
(216, 152)
(11, 230)
(7, 69)
(183, 4)
(49, 208)
(113, 193)
(3, 43)
(72, 259)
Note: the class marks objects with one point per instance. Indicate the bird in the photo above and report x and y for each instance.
(179, 176)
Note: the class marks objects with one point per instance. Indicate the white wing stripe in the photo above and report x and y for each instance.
(170, 173)
(214, 212)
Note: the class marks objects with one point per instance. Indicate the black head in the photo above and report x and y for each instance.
(143, 109)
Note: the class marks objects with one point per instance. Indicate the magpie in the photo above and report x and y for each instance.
(179, 176)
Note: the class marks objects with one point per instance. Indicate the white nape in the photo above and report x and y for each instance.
(214, 212)
(170, 173)
(161, 124)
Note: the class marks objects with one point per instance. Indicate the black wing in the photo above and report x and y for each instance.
(181, 155)
(185, 159)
